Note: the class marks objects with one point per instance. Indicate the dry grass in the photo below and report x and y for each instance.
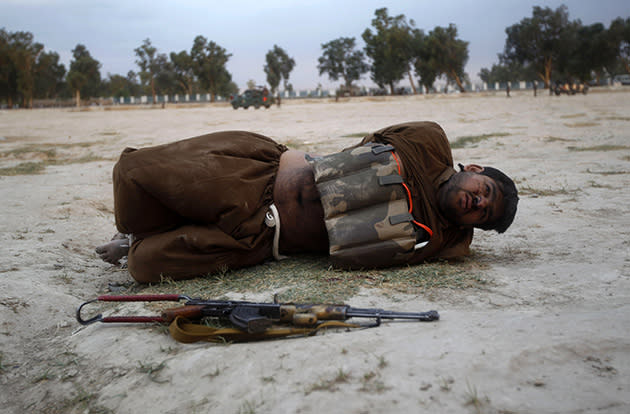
(589, 171)
(573, 116)
(24, 168)
(308, 279)
(356, 135)
(557, 139)
(581, 125)
(603, 147)
(39, 156)
(297, 145)
(617, 118)
(37, 167)
(49, 148)
(545, 192)
(331, 384)
(594, 184)
(473, 399)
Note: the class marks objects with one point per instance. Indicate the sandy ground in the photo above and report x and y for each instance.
(547, 334)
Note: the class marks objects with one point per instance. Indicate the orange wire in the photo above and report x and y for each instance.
(417, 223)
(424, 227)
(409, 196)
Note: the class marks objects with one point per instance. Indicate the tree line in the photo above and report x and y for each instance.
(545, 46)
(395, 49)
(548, 46)
(28, 72)
(542, 47)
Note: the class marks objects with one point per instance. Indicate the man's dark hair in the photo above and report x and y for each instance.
(510, 200)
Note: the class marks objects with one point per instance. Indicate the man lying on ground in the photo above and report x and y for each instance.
(234, 199)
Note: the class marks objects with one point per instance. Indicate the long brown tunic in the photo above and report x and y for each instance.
(198, 205)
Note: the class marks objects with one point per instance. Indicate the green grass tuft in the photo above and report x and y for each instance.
(462, 142)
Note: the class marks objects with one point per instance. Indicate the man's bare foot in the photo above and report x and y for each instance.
(113, 251)
(119, 236)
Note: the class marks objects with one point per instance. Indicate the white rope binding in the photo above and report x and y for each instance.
(272, 219)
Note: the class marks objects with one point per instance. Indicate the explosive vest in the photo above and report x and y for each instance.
(367, 207)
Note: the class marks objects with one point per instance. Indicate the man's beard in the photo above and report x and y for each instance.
(446, 193)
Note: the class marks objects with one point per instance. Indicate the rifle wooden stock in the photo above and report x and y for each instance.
(187, 312)
(305, 315)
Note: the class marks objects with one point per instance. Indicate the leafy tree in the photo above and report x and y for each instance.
(49, 74)
(594, 52)
(132, 82)
(423, 60)
(503, 73)
(389, 48)
(116, 86)
(448, 54)
(538, 41)
(494, 74)
(26, 58)
(278, 67)
(339, 59)
(122, 86)
(183, 69)
(231, 89)
(209, 60)
(150, 64)
(549, 45)
(8, 69)
(84, 77)
(18, 58)
(165, 78)
(273, 76)
(569, 60)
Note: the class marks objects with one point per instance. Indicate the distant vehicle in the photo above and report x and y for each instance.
(623, 79)
(257, 97)
(570, 88)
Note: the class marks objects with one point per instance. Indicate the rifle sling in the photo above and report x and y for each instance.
(186, 332)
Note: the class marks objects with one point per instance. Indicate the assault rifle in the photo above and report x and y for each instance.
(251, 318)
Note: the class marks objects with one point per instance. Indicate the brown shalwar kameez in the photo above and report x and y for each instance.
(198, 205)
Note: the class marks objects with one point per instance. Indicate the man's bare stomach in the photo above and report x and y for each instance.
(302, 226)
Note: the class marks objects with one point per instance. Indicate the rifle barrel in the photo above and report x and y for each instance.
(429, 316)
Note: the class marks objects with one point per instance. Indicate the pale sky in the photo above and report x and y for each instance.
(248, 29)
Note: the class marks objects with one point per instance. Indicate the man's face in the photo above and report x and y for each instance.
(471, 199)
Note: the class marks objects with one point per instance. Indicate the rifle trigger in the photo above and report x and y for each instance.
(249, 319)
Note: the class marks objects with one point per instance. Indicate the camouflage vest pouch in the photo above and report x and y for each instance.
(365, 207)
